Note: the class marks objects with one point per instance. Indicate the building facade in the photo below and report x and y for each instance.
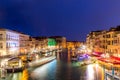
(93, 41)
(9, 42)
(73, 44)
(41, 43)
(105, 41)
(13, 42)
(24, 43)
(60, 40)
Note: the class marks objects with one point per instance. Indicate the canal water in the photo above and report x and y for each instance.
(63, 69)
(60, 69)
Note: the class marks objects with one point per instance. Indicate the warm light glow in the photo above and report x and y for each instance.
(25, 75)
(13, 49)
(83, 47)
(90, 72)
(96, 65)
(20, 63)
(37, 57)
(89, 50)
(4, 62)
(103, 55)
(107, 55)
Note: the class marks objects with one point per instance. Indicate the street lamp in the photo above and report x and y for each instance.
(112, 71)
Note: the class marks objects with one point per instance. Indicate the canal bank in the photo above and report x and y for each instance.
(33, 64)
(40, 62)
(59, 69)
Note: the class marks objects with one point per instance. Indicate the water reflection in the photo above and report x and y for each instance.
(14, 76)
(45, 72)
(90, 72)
(18, 76)
(25, 75)
(60, 70)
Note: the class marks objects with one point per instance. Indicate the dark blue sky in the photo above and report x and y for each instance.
(73, 19)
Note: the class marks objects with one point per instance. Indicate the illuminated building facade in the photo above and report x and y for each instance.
(60, 40)
(105, 41)
(73, 44)
(32, 44)
(93, 41)
(9, 42)
(13, 42)
(41, 43)
(24, 43)
(112, 37)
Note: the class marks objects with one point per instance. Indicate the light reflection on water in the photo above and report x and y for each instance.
(58, 70)
(42, 72)
(61, 70)
(17, 76)
(90, 72)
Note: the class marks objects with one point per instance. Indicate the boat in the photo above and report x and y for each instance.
(14, 64)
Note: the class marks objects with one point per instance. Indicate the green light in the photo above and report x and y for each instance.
(51, 42)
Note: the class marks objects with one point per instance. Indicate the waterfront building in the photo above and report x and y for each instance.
(9, 42)
(60, 40)
(41, 43)
(93, 41)
(73, 44)
(24, 43)
(32, 44)
(105, 41)
(112, 41)
(13, 42)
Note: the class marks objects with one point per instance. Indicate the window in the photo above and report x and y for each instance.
(1, 36)
(113, 42)
(7, 45)
(108, 42)
(1, 45)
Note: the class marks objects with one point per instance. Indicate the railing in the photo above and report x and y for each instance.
(113, 76)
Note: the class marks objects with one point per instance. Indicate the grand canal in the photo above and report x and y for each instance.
(60, 69)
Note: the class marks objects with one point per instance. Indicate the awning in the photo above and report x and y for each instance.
(97, 54)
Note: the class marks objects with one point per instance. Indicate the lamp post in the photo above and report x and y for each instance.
(112, 72)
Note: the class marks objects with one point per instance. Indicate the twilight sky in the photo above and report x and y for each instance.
(73, 19)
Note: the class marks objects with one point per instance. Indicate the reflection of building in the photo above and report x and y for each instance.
(9, 42)
(61, 41)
